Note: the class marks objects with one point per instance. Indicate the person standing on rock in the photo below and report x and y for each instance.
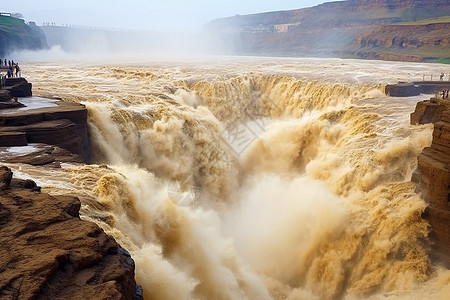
(17, 71)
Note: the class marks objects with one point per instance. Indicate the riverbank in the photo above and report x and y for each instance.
(48, 252)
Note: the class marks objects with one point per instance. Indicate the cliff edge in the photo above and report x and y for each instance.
(48, 252)
(433, 174)
(47, 121)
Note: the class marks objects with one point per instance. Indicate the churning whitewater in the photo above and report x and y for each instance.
(252, 178)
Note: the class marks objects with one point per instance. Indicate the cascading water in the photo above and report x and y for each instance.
(254, 179)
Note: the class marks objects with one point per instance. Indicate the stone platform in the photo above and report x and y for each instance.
(47, 121)
(408, 89)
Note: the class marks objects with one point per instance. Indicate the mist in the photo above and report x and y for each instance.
(104, 46)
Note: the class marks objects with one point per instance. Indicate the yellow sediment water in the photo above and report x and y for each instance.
(253, 178)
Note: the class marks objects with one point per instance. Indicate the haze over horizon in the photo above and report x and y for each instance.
(170, 15)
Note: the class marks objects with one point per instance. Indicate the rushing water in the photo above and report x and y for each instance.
(251, 178)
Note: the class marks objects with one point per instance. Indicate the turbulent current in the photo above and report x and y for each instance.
(252, 178)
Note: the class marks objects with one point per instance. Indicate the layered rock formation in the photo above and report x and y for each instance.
(18, 87)
(403, 42)
(62, 124)
(48, 252)
(330, 29)
(433, 174)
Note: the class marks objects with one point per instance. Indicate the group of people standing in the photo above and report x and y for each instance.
(444, 94)
(13, 69)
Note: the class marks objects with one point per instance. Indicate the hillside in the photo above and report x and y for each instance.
(15, 34)
(325, 30)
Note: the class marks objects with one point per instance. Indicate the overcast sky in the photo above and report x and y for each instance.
(154, 15)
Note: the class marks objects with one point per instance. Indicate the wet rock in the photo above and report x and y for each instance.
(5, 177)
(19, 87)
(5, 96)
(13, 138)
(64, 125)
(39, 155)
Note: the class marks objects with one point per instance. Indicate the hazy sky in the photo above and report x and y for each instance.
(159, 15)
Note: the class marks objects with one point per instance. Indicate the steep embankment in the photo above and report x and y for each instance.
(15, 34)
(327, 29)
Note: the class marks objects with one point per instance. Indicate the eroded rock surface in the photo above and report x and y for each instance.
(48, 252)
(433, 176)
(63, 124)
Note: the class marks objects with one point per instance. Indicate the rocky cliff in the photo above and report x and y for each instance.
(411, 42)
(15, 34)
(433, 174)
(326, 29)
(52, 122)
(48, 252)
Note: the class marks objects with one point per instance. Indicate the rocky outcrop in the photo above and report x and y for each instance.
(64, 125)
(6, 100)
(48, 252)
(433, 176)
(428, 111)
(5, 96)
(18, 87)
(38, 155)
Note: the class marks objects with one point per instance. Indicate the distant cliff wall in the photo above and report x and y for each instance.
(330, 28)
(410, 42)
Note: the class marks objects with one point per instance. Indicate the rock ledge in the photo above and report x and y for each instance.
(48, 252)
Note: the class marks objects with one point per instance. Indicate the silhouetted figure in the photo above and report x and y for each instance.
(1, 62)
(9, 73)
(6, 62)
(17, 70)
(441, 78)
